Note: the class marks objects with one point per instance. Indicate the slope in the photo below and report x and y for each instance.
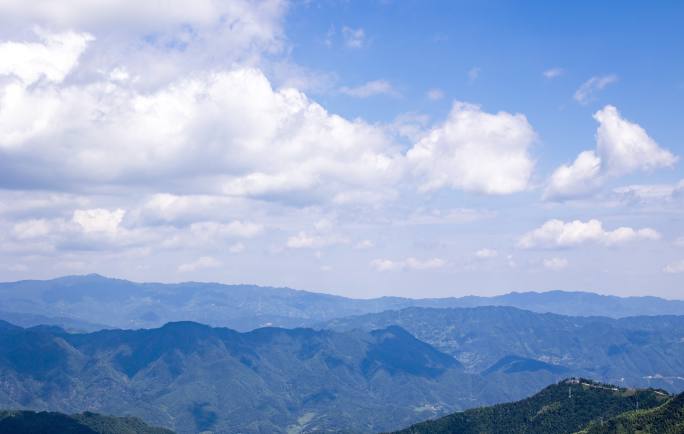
(561, 408)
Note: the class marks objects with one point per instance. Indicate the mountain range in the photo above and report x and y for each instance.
(77, 344)
(84, 303)
(191, 377)
(527, 350)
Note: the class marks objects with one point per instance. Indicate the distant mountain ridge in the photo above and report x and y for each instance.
(86, 300)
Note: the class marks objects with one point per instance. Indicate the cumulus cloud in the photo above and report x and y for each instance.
(371, 88)
(675, 267)
(475, 151)
(99, 220)
(158, 40)
(51, 59)
(201, 263)
(229, 133)
(408, 264)
(577, 179)
(559, 234)
(555, 264)
(622, 147)
(587, 91)
(625, 146)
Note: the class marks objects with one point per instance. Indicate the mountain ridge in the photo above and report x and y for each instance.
(69, 301)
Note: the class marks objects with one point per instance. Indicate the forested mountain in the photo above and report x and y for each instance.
(86, 300)
(668, 418)
(191, 377)
(31, 422)
(562, 408)
(526, 351)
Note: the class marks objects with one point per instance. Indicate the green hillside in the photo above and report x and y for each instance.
(565, 407)
(667, 418)
(43, 422)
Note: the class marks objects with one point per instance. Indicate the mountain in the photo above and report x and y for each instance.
(31, 320)
(31, 422)
(668, 418)
(245, 307)
(561, 408)
(525, 351)
(191, 377)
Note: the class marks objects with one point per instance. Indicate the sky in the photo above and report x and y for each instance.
(362, 148)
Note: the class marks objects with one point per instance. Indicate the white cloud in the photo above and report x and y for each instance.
(435, 94)
(158, 40)
(52, 58)
(553, 73)
(354, 38)
(559, 234)
(589, 88)
(99, 220)
(486, 253)
(408, 264)
(475, 151)
(675, 267)
(371, 88)
(201, 263)
(225, 133)
(577, 179)
(622, 147)
(625, 146)
(555, 264)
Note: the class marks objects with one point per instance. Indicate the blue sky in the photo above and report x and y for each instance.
(361, 148)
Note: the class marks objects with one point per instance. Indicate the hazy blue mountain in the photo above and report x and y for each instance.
(68, 324)
(526, 350)
(88, 299)
(562, 408)
(43, 422)
(191, 377)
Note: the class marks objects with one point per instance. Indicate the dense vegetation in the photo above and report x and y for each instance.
(31, 422)
(667, 418)
(562, 408)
